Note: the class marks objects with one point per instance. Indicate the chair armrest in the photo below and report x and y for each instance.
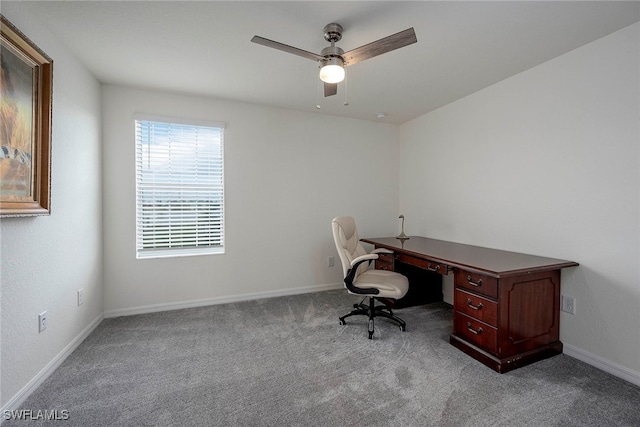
(362, 258)
(351, 274)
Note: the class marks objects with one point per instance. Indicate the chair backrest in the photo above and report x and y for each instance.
(345, 236)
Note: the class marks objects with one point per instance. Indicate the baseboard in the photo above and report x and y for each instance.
(603, 364)
(15, 402)
(218, 300)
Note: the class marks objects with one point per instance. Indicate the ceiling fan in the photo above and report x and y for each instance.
(332, 59)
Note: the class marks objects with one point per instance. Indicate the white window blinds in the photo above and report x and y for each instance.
(179, 189)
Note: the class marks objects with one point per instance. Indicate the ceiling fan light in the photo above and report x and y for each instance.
(332, 71)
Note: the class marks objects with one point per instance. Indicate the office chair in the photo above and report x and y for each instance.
(359, 279)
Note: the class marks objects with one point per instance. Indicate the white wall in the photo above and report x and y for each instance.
(287, 174)
(46, 259)
(547, 163)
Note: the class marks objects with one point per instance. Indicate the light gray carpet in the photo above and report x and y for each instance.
(287, 362)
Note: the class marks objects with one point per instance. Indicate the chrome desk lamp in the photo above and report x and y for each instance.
(402, 236)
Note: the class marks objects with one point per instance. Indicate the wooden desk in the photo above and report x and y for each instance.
(506, 304)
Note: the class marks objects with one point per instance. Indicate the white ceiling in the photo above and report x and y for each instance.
(204, 47)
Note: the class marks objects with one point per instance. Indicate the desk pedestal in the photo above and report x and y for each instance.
(508, 322)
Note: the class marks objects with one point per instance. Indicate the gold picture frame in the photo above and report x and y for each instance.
(25, 130)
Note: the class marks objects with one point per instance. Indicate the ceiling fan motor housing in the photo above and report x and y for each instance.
(332, 56)
(331, 52)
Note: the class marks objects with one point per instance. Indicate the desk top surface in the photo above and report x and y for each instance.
(495, 262)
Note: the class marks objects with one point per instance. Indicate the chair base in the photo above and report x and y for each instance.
(372, 311)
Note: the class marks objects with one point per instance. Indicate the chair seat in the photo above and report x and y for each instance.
(390, 284)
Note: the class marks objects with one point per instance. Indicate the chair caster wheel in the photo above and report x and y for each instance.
(370, 335)
(342, 322)
(403, 328)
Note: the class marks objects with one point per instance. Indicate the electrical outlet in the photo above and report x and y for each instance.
(42, 321)
(330, 261)
(568, 304)
(80, 297)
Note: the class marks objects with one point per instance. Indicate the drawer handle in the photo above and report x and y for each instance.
(473, 331)
(472, 283)
(475, 307)
(436, 268)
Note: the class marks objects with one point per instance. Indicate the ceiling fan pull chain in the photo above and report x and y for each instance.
(346, 101)
(318, 93)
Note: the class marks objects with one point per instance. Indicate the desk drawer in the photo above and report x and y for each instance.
(477, 283)
(436, 267)
(475, 332)
(384, 262)
(477, 307)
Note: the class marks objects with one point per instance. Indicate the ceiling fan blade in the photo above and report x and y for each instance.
(287, 48)
(384, 45)
(330, 89)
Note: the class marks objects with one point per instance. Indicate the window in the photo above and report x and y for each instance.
(179, 188)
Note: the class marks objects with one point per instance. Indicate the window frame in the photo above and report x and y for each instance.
(150, 253)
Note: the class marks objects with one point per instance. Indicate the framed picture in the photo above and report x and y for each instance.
(25, 128)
